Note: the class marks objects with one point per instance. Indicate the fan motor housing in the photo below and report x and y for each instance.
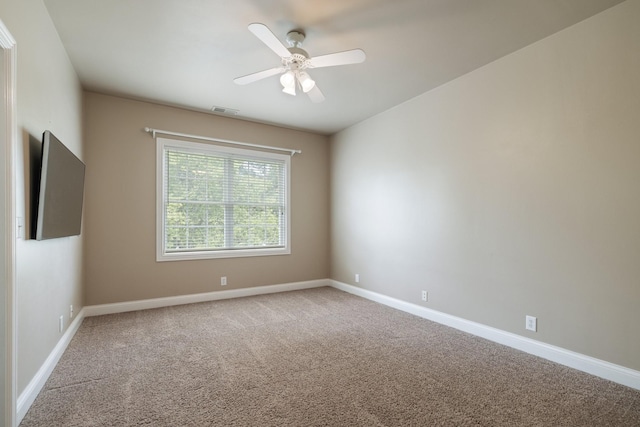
(299, 54)
(297, 60)
(299, 57)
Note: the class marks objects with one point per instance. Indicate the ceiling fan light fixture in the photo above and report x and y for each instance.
(288, 79)
(306, 82)
(291, 90)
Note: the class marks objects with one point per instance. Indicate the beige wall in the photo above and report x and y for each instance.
(48, 273)
(512, 190)
(120, 205)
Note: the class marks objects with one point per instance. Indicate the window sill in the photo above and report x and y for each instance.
(237, 253)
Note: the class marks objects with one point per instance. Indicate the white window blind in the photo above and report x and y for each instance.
(221, 202)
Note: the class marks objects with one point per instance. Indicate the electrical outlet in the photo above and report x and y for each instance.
(71, 312)
(223, 281)
(61, 324)
(357, 278)
(531, 323)
(425, 296)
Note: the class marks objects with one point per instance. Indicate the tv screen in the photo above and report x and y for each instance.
(61, 191)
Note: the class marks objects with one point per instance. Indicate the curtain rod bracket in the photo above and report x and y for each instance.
(151, 131)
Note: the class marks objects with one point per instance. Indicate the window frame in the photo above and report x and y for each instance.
(203, 148)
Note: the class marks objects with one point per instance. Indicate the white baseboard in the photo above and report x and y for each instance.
(121, 307)
(29, 394)
(590, 365)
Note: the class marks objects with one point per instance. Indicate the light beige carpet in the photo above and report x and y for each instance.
(310, 358)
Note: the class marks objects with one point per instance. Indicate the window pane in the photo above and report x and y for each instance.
(176, 238)
(197, 237)
(215, 238)
(216, 215)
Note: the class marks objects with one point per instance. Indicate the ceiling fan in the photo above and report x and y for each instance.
(295, 62)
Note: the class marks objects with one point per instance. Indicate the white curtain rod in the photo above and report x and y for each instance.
(153, 133)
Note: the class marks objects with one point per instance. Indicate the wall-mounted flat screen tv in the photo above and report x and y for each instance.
(61, 191)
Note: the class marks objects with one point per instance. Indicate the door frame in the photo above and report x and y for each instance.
(8, 144)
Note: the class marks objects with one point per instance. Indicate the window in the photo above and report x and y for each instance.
(219, 202)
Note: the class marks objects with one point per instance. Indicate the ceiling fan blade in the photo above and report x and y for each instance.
(315, 95)
(265, 35)
(354, 56)
(250, 78)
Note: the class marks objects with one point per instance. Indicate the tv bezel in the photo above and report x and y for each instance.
(61, 191)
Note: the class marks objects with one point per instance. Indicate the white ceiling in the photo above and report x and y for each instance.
(187, 52)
